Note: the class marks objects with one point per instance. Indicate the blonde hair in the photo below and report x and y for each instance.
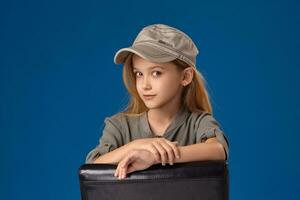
(194, 96)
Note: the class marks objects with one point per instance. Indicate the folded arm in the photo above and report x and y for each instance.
(137, 160)
(211, 149)
(115, 156)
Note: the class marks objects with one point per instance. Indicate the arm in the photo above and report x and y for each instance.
(139, 160)
(211, 149)
(115, 156)
(209, 130)
(149, 144)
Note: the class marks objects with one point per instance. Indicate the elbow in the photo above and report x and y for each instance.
(219, 149)
(221, 155)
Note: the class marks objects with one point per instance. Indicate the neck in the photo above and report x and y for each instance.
(163, 115)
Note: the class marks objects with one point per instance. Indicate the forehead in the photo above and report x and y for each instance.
(140, 63)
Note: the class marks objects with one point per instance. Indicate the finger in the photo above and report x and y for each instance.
(123, 173)
(126, 162)
(118, 169)
(155, 152)
(123, 168)
(175, 148)
(170, 152)
(162, 152)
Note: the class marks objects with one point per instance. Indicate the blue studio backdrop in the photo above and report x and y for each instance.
(58, 82)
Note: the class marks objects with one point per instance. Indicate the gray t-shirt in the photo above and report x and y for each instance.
(187, 128)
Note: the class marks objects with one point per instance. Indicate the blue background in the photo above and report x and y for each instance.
(58, 82)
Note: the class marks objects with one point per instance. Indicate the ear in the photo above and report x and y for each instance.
(188, 74)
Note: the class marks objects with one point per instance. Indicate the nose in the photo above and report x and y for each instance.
(146, 83)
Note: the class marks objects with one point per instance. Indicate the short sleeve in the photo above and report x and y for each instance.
(208, 127)
(110, 140)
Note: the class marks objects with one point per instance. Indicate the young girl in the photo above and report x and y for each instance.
(169, 116)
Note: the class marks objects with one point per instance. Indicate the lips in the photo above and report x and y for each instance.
(147, 97)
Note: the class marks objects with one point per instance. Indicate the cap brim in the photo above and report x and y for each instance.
(147, 52)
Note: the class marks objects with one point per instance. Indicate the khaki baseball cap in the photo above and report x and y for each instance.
(160, 43)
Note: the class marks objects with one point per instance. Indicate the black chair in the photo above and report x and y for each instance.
(205, 180)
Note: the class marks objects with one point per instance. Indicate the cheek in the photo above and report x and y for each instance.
(170, 83)
(138, 85)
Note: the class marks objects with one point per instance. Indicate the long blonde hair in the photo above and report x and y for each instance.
(194, 96)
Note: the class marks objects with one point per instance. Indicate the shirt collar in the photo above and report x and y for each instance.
(180, 117)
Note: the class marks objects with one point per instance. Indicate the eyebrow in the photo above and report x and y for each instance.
(156, 66)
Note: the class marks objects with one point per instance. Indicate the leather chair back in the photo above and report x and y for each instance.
(205, 180)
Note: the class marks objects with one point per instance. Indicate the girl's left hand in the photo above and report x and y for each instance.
(137, 159)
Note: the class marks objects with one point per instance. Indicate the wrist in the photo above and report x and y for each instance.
(132, 145)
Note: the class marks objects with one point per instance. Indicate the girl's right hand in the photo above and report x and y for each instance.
(163, 149)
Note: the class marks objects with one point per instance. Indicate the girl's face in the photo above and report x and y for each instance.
(158, 84)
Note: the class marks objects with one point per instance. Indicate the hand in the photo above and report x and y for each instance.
(137, 159)
(163, 149)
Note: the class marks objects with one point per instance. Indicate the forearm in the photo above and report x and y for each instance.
(201, 151)
(114, 157)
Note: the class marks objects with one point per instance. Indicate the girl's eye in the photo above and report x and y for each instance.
(138, 74)
(156, 73)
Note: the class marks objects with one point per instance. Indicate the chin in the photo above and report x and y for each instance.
(150, 105)
(153, 105)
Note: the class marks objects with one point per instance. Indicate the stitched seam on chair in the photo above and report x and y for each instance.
(128, 181)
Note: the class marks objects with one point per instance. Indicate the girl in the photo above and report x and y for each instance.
(169, 116)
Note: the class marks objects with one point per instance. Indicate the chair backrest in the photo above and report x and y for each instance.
(193, 180)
